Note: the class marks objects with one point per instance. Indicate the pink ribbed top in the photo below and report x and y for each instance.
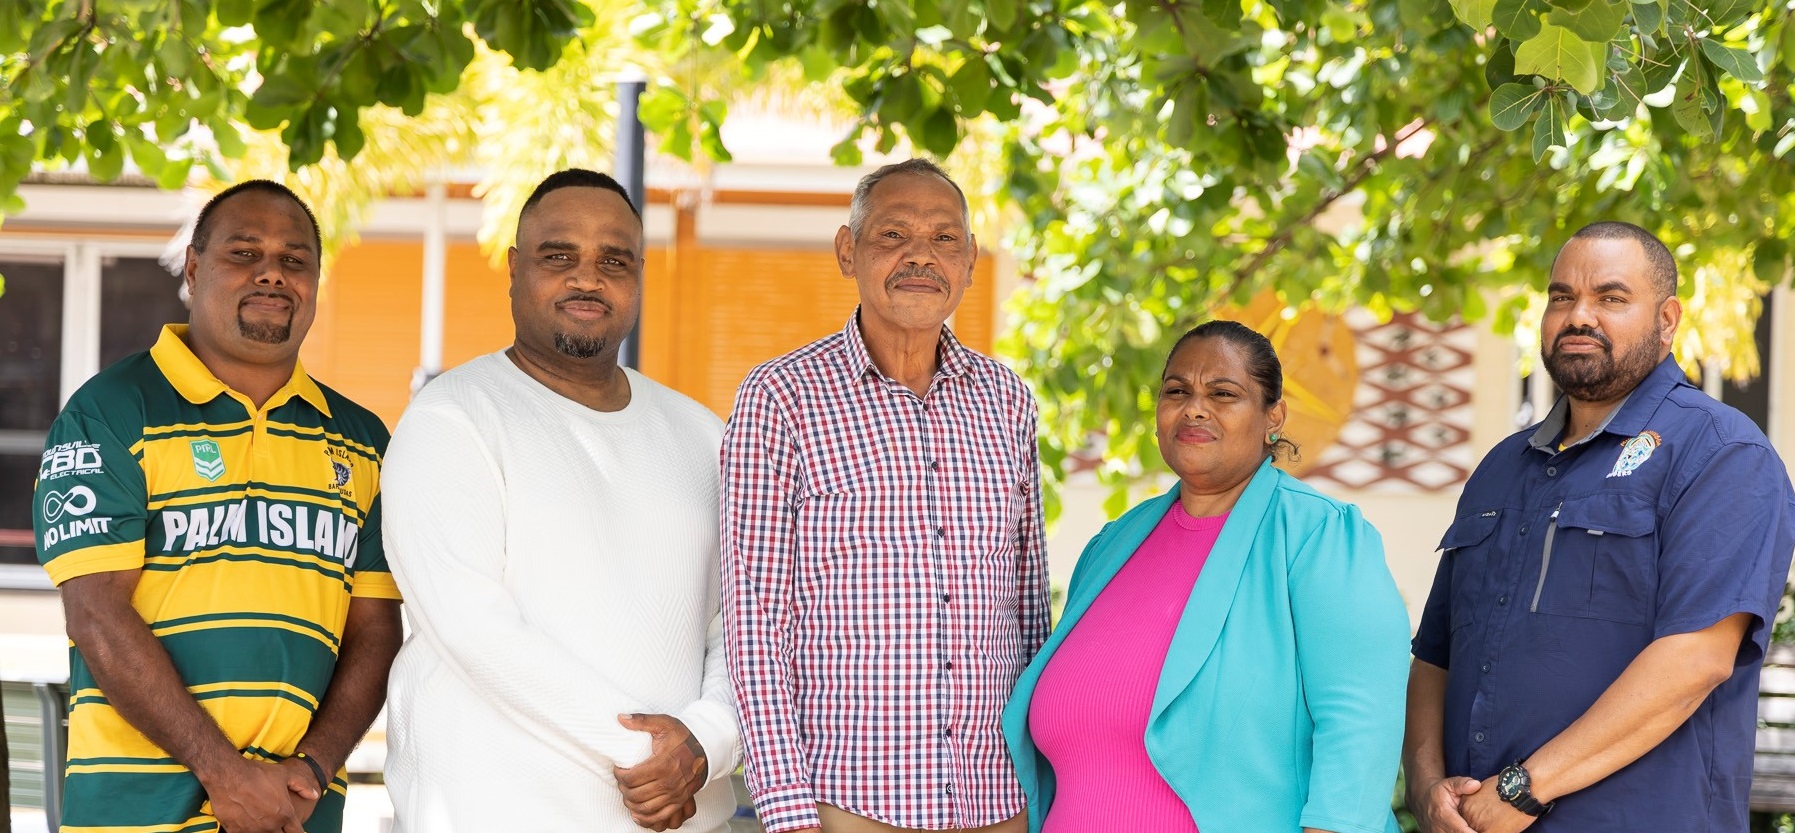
(1090, 708)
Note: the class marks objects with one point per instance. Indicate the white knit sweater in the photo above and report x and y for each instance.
(559, 567)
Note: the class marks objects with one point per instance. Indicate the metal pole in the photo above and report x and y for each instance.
(430, 348)
(629, 172)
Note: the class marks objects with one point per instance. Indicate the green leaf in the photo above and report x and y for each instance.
(348, 136)
(1477, 14)
(1499, 68)
(174, 174)
(1512, 105)
(847, 151)
(901, 98)
(999, 13)
(1649, 17)
(234, 12)
(1597, 22)
(280, 22)
(1720, 14)
(1686, 107)
(1517, 20)
(1770, 261)
(1548, 129)
(359, 80)
(105, 159)
(1732, 60)
(1756, 105)
(940, 132)
(660, 106)
(1423, 17)
(1624, 90)
(1787, 49)
(971, 84)
(147, 155)
(1556, 53)
(710, 134)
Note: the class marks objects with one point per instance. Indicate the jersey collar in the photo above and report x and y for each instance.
(195, 381)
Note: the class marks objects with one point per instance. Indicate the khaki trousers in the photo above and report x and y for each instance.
(837, 820)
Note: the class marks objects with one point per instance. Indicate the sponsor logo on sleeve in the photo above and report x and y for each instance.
(65, 515)
(69, 459)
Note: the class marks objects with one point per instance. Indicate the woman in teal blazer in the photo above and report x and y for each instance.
(1279, 704)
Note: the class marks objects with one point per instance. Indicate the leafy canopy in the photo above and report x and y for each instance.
(1154, 160)
(1167, 157)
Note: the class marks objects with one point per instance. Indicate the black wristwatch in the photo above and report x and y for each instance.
(1515, 786)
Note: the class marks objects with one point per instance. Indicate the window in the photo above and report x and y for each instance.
(70, 309)
(31, 322)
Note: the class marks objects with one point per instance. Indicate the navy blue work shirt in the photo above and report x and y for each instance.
(1561, 566)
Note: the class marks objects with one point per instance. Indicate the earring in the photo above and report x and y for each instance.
(1272, 438)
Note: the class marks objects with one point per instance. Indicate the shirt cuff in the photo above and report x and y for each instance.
(715, 728)
(374, 585)
(106, 558)
(791, 807)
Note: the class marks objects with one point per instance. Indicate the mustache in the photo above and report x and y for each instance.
(1583, 332)
(916, 272)
(583, 297)
(265, 293)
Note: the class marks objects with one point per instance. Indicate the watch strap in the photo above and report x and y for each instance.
(1524, 800)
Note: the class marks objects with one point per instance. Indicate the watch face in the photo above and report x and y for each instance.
(1511, 782)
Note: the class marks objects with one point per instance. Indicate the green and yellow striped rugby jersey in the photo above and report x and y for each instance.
(253, 529)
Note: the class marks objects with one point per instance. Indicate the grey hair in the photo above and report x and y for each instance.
(858, 207)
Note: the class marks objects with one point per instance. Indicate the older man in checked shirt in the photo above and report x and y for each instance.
(884, 573)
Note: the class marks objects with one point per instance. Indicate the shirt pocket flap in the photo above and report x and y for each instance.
(1609, 514)
(1470, 530)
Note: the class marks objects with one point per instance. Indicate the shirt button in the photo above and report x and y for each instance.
(948, 732)
(946, 597)
(949, 789)
(949, 665)
(1523, 529)
(1551, 471)
(934, 465)
(1501, 600)
(1486, 668)
(1478, 737)
(940, 532)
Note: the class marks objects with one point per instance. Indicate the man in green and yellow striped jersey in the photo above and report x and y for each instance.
(212, 517)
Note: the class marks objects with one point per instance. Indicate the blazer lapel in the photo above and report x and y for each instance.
(1201, 624)
(1106, 559)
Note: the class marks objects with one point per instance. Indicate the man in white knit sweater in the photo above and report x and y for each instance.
(552, 519)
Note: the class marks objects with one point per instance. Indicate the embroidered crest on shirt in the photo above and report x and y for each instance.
(339, 471)
(208, 460)
(1634, 453)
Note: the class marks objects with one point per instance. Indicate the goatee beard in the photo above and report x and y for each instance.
(578, 347)
(1602, 377)
(265, 333)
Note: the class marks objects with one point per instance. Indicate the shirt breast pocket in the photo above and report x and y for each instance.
(1603, 560)
(1467, 543)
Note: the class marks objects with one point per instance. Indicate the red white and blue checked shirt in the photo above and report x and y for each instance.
(884, 583)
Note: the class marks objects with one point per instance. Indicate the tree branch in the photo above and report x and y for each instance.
(1365, 167)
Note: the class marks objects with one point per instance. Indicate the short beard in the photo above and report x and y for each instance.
(265, 333)
(1603, 377)
(577, 347)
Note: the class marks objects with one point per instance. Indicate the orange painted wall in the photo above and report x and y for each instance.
(366, 339)
(704, 324)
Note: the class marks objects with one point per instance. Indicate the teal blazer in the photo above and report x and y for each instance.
(1280, 705)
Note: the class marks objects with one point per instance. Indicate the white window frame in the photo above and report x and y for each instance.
(82, 259)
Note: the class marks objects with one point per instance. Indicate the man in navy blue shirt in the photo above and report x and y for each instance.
(1588, 657)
